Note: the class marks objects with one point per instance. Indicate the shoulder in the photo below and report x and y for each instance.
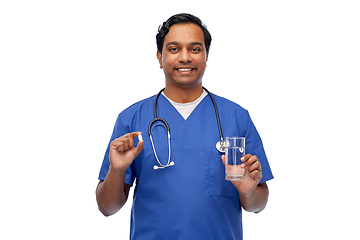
(129, 115)
(227, 105)
(137, 107)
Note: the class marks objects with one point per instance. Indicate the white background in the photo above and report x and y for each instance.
(67, 68)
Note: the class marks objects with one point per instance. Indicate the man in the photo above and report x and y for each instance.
(189, 198)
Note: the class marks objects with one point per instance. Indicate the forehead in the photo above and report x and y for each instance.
(185, 33)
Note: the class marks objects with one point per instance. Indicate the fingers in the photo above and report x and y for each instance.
(139, 147)
(124, 142)
(252, 163)
(253, 166)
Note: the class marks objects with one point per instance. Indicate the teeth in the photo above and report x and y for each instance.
(184, 69)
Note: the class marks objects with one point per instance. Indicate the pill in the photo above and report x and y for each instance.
(140, 137)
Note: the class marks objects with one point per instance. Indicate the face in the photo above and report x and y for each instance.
(184, 55)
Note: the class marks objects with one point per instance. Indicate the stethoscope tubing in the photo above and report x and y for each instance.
(167, 125)
(220, 145)
(216, 112)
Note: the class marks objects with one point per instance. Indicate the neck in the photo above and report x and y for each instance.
(183, 95)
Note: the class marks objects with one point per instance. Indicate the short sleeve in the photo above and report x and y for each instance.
(254, 146)
(118, 131)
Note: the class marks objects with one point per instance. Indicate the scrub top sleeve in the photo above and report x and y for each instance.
(254, 146)
(118, 131)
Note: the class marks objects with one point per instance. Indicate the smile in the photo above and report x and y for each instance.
(184, 69)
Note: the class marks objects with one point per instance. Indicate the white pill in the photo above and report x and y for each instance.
(140, 137)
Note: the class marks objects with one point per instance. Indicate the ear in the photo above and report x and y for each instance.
(207, 56)
(159, 57)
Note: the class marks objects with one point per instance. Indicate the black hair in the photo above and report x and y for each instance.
(181, 18)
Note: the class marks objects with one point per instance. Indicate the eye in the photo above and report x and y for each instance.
(196, 50)
(173, 49)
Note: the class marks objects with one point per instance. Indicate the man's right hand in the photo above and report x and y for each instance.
(122, 151)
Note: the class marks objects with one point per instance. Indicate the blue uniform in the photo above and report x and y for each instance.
(192, 199)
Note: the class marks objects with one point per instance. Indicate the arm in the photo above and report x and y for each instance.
(253, 196)
(256, 200)
(112, 193)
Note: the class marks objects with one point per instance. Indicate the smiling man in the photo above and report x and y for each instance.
(181, 191)
(183, 58)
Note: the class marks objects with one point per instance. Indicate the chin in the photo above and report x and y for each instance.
(187, 83)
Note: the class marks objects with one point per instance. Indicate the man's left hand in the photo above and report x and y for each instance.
(253, 174)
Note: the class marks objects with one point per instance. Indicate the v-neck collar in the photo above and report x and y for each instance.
(167, 111)
(186, 109)
(202, 119)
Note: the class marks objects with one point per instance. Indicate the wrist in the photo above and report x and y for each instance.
(117, 171)
(247, 194)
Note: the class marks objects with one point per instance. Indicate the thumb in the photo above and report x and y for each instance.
(223, 159)
(139, 148)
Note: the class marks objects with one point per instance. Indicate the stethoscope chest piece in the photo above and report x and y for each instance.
(220, 146)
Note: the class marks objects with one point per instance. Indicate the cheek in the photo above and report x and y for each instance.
(202, 63)
(201, 59)
(168, 63)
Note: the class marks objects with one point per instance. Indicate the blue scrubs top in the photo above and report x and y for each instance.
(192, 199)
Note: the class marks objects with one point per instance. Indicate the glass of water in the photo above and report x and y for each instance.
(234, 151)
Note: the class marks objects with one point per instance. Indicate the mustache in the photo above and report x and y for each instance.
(185, 66)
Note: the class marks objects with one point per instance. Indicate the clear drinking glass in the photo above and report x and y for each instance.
(234, 151)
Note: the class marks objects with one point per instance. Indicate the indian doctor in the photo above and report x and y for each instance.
(180, 186)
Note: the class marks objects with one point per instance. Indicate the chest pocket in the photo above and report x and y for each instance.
(218, 185)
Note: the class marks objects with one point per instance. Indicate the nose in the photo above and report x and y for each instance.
(184, 56)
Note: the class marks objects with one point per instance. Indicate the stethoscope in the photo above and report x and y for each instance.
(220, 145)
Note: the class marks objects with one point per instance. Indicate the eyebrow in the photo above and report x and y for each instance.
(197, 43)
(191, 44)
